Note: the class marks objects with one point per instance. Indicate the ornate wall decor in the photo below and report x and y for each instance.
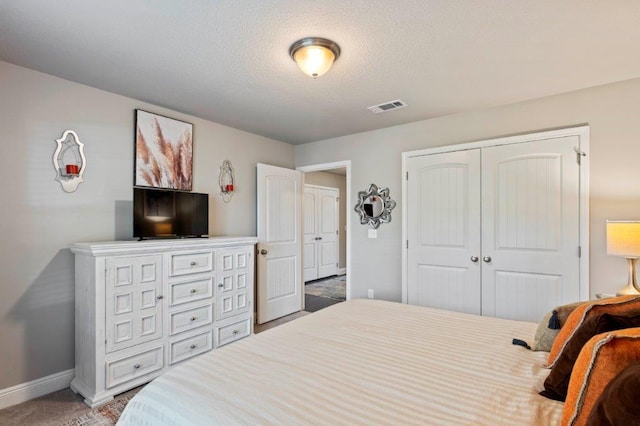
(226, 181)
(374, 206)
(164, 152)
(69, 161)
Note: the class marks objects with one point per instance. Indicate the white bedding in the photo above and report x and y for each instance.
(359, 362)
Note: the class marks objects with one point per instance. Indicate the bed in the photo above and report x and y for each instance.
(360, 362)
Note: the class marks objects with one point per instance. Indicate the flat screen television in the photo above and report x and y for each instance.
(159, 213)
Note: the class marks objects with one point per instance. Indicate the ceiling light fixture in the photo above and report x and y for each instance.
(314, 55)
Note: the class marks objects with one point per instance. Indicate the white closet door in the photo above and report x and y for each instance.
(310, 233)
(320, 232)
(327, 232)
(443, 202)
(530, 228)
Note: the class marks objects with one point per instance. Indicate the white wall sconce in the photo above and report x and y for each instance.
(226, 181)
(69, 161)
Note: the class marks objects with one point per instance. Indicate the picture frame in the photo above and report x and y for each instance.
(163, 152)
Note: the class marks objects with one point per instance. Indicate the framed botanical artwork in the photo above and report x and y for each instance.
(164, 152)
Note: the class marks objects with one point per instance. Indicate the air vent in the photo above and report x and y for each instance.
(387, 106)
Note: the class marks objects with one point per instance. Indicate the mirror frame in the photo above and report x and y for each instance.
(388, 205)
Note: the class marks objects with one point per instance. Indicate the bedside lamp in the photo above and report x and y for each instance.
(623, 239)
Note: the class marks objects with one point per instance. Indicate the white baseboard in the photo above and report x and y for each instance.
(342, 271)
(35, 388)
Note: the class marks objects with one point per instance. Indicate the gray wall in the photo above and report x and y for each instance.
(40, 220)
(334, 181)
(612, 113)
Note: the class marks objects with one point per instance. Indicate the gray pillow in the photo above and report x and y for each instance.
(544, 337)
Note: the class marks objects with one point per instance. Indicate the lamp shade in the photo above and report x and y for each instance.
(314, 55)
(623, 238)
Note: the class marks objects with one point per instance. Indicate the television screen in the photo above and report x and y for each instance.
(169, 214)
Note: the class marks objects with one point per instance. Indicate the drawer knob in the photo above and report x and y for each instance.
(137, 366)
(159, 297)
(193, 263)
(193, 318)
(220, 285)
(193, 290)
(193, 346)
(235, 331)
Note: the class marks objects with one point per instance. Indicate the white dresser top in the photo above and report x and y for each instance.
(111, 248)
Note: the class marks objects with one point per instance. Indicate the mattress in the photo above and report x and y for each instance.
(359, 362)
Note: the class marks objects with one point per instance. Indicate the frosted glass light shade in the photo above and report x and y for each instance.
(314, 60)
(623, 238)
(314, 56)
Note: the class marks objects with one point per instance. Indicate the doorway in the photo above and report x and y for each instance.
(322, 291)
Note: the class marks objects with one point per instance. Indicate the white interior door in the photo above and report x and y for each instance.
(327, 232)
(443, 231)
(310, 248)
(279, 217)
(530, 228)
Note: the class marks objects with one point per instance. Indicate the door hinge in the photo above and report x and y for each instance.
(407, 175)
(337, 199)
(579, 251)
(579, 155)
(336, 265)
(337, 232)
(407, 244)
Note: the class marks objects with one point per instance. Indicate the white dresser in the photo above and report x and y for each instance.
(145, 306)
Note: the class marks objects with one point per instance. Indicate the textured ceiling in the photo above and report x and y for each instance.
(227, 60)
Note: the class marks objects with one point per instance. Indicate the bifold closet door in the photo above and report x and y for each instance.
(443, 203)
(530, 228)
(320, 232)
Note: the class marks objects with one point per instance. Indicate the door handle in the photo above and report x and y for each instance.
(474, 259)
(263, 252)
(487, 259)
(318, 238)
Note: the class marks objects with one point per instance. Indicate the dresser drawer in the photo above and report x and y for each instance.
(190, 319)
(190, 263)
(125, 369)
(189, 291)
(187, 348)
(232, 332)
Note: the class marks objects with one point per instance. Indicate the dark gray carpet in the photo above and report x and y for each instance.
(333, 287)
(315, 303)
